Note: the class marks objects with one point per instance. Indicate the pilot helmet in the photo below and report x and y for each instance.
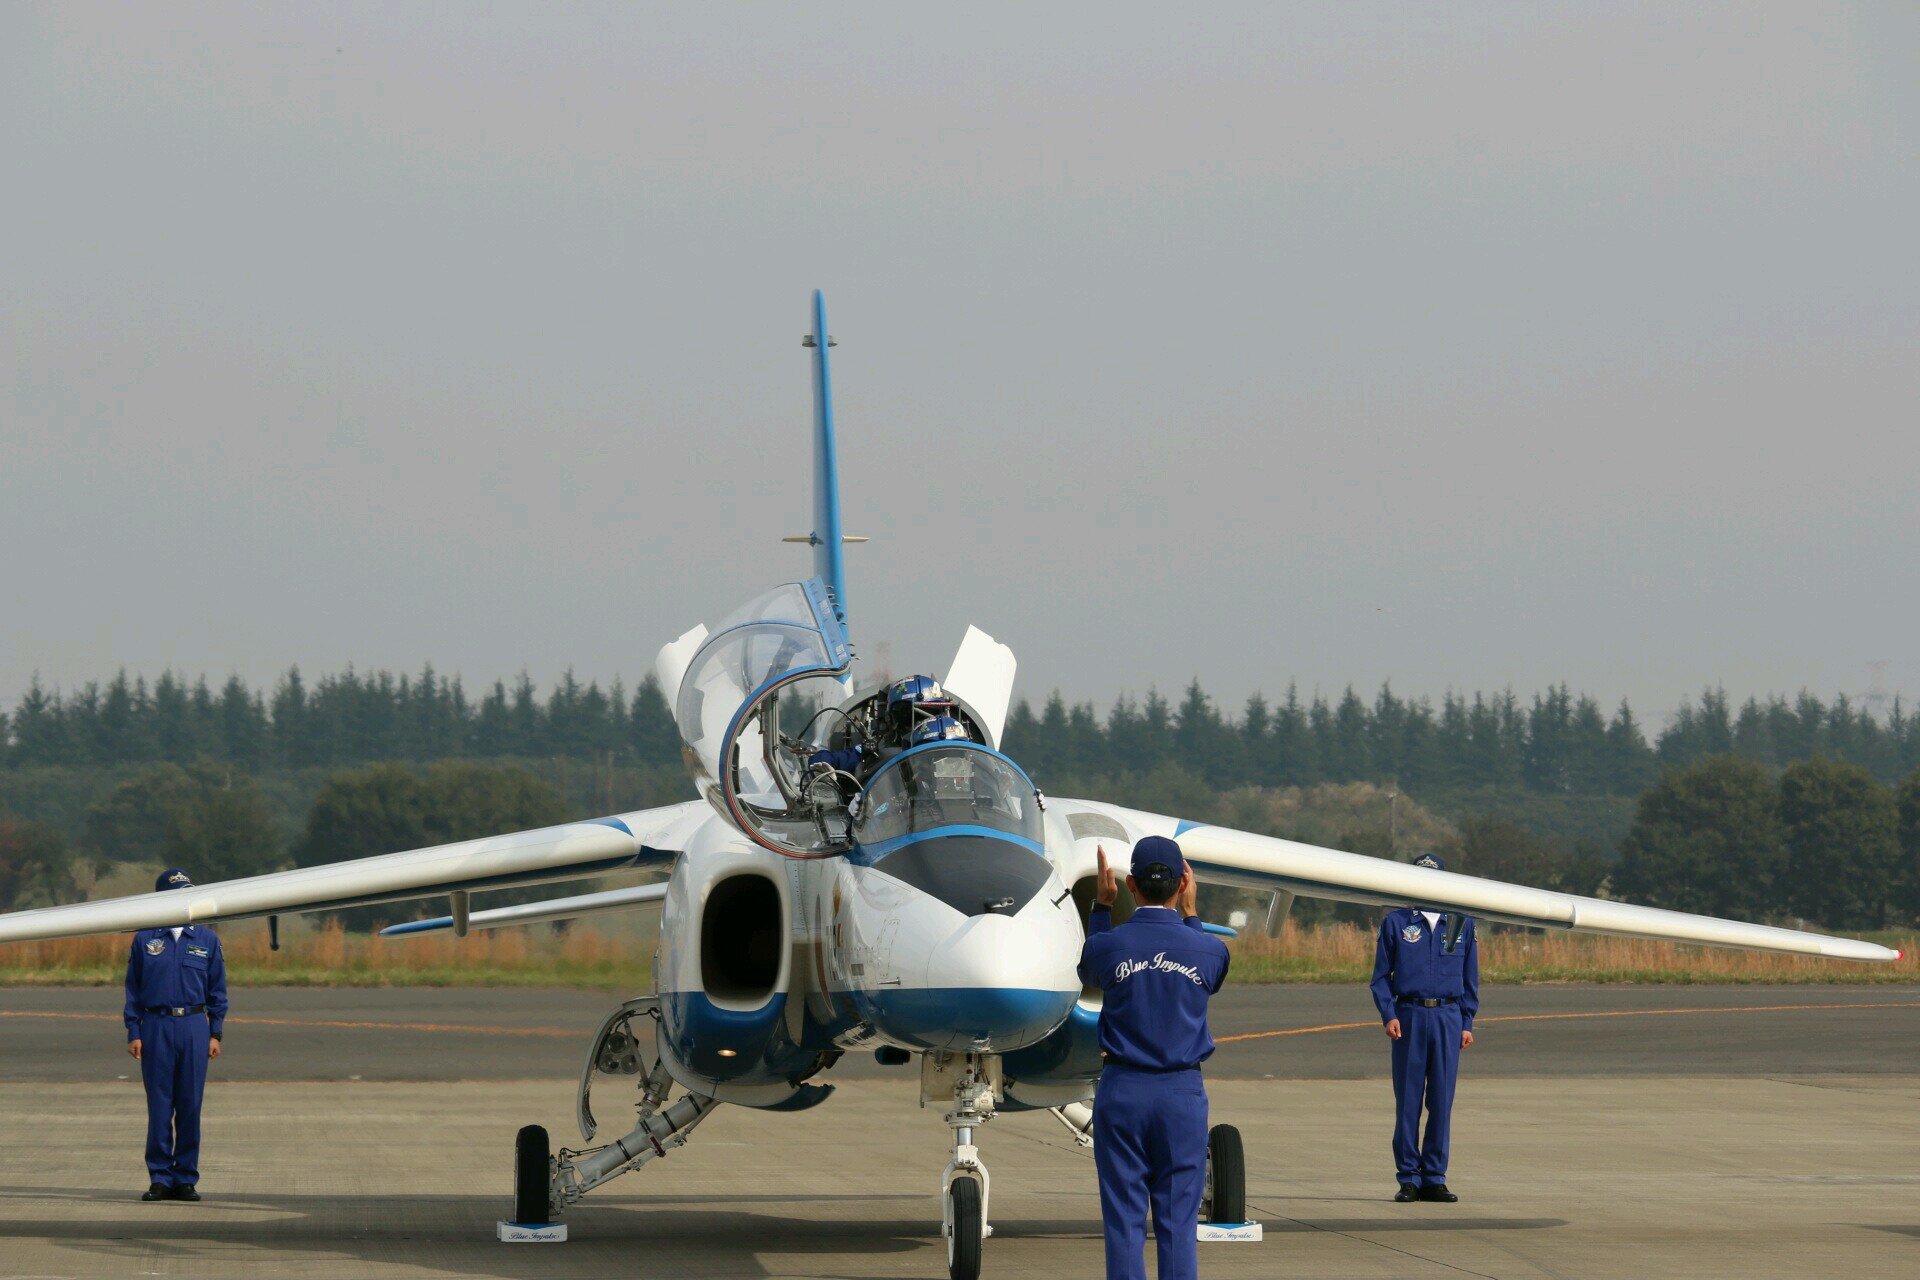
(939, 729)
(921, 694)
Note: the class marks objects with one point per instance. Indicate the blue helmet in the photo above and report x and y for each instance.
(939, 729)
(917, 691)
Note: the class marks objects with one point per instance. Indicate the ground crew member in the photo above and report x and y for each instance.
(1426, 984)
(1150, 1111)
(176, 1011)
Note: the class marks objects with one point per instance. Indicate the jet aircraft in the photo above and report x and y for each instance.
(927, 902)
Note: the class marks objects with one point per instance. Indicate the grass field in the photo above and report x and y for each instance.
(587, 957)
(1344, 953)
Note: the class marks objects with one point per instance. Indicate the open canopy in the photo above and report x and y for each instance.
(728, 713)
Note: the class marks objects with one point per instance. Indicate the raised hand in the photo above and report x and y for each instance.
(1106, 885)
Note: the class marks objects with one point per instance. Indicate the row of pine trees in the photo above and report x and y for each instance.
(1556, 742)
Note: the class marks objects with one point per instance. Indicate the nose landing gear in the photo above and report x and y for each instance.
(973, 1080)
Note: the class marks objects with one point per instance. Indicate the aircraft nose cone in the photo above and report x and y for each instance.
(995, 983)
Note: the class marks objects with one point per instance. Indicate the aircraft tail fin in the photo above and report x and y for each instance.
(829, 564)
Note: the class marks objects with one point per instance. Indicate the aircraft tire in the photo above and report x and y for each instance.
(963, 1246)
(532, 1188)
(1226, 1195)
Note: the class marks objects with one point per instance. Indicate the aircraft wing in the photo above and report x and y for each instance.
(641, 897)
(1220, 855)
(650, 837)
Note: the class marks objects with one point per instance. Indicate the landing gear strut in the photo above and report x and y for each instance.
(974, 1082)
(544, 1184)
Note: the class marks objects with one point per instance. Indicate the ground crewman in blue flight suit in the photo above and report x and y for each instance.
(1150, 1111)
(1426, 984)
(176, 1011)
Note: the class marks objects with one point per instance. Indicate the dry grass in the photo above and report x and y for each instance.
(328, 956)
(1344, 953)
(584, 956)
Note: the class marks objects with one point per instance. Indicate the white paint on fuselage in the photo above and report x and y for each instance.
(856, 935)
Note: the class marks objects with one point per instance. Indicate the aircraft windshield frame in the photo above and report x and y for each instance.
(921, 792)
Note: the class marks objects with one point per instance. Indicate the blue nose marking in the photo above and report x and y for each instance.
(963, 1017)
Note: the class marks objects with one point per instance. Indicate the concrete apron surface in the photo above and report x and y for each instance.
(1589, 1177)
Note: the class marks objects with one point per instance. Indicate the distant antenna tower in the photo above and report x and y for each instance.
(1878, 701)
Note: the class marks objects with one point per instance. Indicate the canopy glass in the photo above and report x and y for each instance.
(728, 713)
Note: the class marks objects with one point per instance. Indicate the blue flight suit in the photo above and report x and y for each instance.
(163, 974)
(845, 760)
(1150, 1110)
(1414, 962)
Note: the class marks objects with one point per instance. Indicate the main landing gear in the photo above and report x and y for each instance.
(1224, 1199)
(545, 1184)
(973, 1082)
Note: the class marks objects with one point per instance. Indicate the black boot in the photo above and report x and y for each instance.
(184, 1192)
(1438, 1192)
(158, 1191)
(1407, 1194)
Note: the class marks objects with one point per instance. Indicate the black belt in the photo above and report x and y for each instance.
(176, 1011)
(1430, 1004)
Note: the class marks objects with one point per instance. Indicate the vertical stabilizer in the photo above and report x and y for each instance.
(829, 564)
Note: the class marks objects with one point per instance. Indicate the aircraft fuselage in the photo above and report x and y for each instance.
(771, 965)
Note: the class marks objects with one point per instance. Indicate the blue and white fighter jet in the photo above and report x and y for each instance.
(928, 902)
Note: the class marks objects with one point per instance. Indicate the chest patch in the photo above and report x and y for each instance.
(1412, 933)
(202, 952)
(156, 945)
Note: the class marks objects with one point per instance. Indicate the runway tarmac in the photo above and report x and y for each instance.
(1654, 1143)
(1300, 1032)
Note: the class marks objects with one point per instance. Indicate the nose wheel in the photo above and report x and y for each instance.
(964, 1184)
(966, 1229)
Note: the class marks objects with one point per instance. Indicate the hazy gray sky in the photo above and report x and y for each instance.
(1463, 345)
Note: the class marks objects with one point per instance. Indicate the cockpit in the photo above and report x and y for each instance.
(956, 820)
(780, 746)
(964, 787)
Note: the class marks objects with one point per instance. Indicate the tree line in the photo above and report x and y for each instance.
(346, 718)
(220, 825)
(1555, 743)
(1822, 841)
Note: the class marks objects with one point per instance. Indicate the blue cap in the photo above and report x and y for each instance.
(172, 878)
(1431, 861)
(1158, 851)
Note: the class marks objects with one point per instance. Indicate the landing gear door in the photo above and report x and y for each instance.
(624, 1047)
(728, 709)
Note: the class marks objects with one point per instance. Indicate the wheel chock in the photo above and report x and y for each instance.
(532, 1232)
(1211, 1232)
